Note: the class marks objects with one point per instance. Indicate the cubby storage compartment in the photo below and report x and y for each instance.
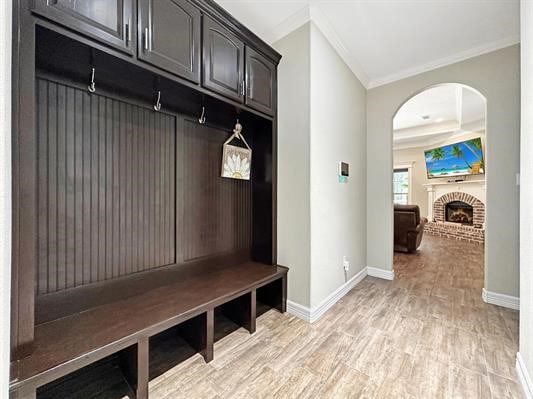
(230, 316)
(271, 296)
(176, 344)
(109, 378)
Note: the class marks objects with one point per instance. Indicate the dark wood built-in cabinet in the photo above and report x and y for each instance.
(170, 32)
(109, 21)
(235, 70)
(130, 252)
(223, 61)
(260, 81)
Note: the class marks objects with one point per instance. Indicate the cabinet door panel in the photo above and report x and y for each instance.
(108, 21)
(223, 61)
(170, 32)
(260, 75)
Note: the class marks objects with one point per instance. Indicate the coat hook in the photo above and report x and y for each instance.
(157, 105)
(92, 85)
(201, 120)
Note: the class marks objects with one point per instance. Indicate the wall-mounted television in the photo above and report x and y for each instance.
(460, 159)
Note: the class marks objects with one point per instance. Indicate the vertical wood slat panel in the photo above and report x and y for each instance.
(94, 225)
(52, 188)
(109, 189)
(78, 175)
(101, 188)
(86, 181)
(106, 188)
(116, 192)
(42, 145)
(217, 216)
(70, 176)
(60, 188)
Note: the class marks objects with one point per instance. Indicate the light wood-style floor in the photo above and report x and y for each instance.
(425, 335)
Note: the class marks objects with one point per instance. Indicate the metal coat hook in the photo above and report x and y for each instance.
(201, 120)
(92, 85)
(157, 105)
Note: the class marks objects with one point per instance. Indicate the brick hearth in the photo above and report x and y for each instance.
(455, 230)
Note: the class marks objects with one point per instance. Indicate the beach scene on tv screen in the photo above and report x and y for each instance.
(459, 159)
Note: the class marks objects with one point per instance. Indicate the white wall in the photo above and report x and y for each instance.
(5, 191)
(338, 133)
(419, 177)
(526, 192)
(294, 231)
(322, 120)
(497, 76)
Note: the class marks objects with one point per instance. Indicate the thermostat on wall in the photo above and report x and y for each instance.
(344, 172)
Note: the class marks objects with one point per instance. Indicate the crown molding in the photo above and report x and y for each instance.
(452, 59)
(327, 29)
(288, 25)
(398, 146)
(313, 13)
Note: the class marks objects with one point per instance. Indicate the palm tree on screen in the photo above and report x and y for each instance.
(437, 154)
(474, 145)
(458, 153)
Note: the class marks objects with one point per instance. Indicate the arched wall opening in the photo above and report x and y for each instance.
(439, 152)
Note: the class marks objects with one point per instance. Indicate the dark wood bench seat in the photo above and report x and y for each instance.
(69, 343)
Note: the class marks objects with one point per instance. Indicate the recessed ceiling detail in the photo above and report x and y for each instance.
(384, 41)
(452, 110)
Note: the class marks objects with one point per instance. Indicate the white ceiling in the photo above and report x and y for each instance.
(386, 40)
(438, 114)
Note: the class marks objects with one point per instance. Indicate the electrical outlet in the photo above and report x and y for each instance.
(345, 263)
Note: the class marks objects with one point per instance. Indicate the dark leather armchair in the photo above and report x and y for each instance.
(408, 228)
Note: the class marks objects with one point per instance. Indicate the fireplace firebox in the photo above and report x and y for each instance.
(459, 212)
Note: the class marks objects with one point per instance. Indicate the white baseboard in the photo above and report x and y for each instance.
(506, 301)
(300, 311)
(312, 315)
(380, 273)
(523, 377)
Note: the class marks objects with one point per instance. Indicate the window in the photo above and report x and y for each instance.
(400, 186)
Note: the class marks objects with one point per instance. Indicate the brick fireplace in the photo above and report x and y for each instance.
(478, 207)
(458, 215)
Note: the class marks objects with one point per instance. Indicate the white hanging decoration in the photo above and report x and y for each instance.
(236, 161)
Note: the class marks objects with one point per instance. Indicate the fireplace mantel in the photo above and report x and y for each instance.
(437, 189)
(461, 182)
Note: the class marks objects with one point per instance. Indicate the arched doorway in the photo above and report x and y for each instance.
(439, 185)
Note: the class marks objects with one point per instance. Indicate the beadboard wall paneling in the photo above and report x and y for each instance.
(110, 178)
(217, 215)
(106, 188)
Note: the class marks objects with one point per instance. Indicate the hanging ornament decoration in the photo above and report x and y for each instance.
(236, 161)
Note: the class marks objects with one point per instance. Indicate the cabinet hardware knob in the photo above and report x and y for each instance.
(146, 39)
(128, 32)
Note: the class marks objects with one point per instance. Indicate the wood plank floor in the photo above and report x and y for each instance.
(425, 335)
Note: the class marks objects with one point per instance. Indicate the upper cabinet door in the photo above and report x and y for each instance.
(108, 21)
(169, 36)
(260, 76)
(223, 61)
